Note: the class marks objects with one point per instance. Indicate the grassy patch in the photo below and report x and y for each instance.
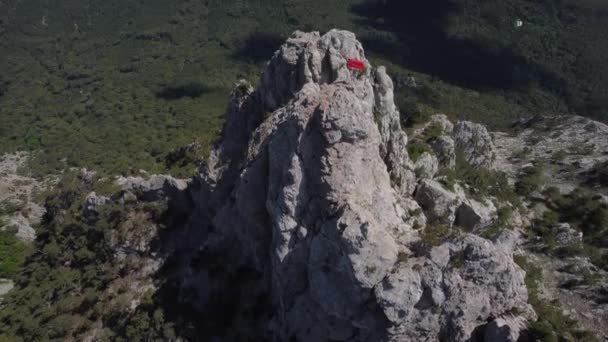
(530, 181)
(552, 325)
(482, 183)
(584, 212)
(12, 254)
(416, 148)
(434, 234)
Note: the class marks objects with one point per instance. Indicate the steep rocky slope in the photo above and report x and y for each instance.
(318, 218)
(314, 203)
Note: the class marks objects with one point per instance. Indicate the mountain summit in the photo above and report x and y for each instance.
(311, 190)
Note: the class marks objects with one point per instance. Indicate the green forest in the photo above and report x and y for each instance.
(117, 85)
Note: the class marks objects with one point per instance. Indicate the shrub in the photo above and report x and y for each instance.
(402, 257)
(531, 181)
(416, 148)
(432, 132)
(559, 155)
(552, 324)
(12, 254)
(434, 234)
(481, 182)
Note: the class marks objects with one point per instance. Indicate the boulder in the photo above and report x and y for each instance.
(92, 203)
(426, 166)
(442, 120)
(444, 148)
(474, 141)
(158, 187)
(474, 215)
(505, 329)
(22, 228)
(460, 286)
(5, 286)
(439, 203)
(565, 235)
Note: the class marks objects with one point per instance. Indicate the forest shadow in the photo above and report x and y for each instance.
(175, 92)
(258, 47)
(422, 44)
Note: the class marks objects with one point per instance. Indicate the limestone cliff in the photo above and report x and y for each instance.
(311, 191)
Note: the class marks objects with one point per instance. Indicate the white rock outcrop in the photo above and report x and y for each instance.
(476, 144)
(308, 197)
(439, 203)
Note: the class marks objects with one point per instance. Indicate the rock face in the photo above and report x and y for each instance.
(439, 204)
(467, 279)
(308, 206)
(90, 209)
(474, 215)
(445, 148)
(566, 235)
(475, 143)
(17, 191)
(5, 286)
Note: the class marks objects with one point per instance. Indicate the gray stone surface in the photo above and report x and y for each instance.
(92, 204)
(475, 215)
(438, 202)
(453, 291)
(5, 286)
(316, 200)
(426, 166)
(507, 329)
(566, 235)
(476, 144)
(444, 147)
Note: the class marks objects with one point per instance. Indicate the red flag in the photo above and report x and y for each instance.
(355, 64)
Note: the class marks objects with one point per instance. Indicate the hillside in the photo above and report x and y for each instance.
(117, 85)
(317, 217)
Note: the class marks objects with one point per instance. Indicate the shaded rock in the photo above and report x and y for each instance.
(439, 204)
(566, 235)
(475, 143)
(505, 329)
(157, 187)
(444, 147)
(474, 215)
(92, 203)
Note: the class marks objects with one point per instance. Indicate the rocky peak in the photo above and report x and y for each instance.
(310, 190)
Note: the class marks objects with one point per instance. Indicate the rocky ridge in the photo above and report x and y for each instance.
(312, 189)
(310, 221)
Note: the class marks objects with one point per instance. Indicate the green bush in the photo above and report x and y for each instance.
(12, 254)
(62, 286)
(551, 325)
(482, 183)
(434, 234)
(531, 181)
(416, 148)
